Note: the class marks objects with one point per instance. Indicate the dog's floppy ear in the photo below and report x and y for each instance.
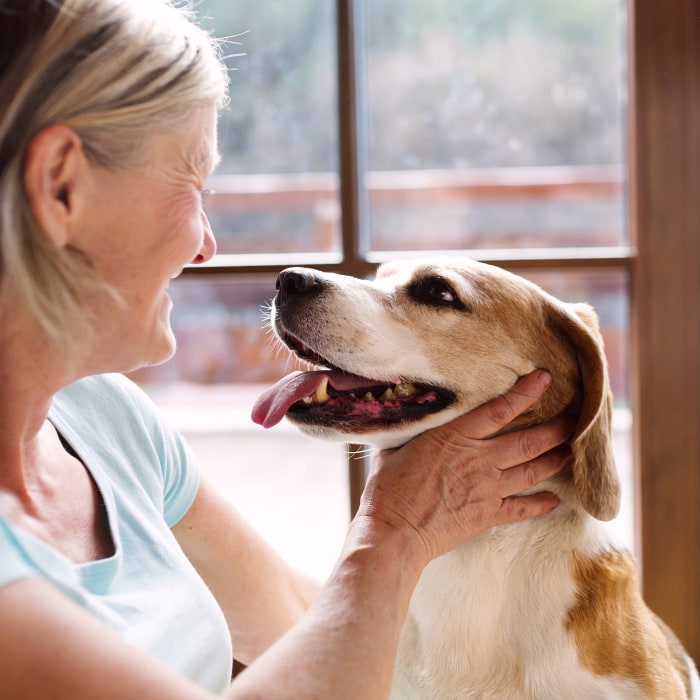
(595, 476)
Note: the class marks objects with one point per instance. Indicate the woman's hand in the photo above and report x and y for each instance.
(451, 483)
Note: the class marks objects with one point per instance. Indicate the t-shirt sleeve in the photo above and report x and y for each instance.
(127, 427)
(180, 475)
(178, 466)
(12, 565)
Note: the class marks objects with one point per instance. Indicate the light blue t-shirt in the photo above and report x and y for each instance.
(148, 591)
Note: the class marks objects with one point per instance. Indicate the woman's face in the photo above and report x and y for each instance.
(144, 224)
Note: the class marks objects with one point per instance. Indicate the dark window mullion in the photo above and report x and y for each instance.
(352, 115)
(352, 170)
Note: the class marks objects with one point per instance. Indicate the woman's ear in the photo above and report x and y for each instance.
(53, 176)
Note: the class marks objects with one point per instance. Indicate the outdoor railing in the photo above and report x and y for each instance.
(316, 197)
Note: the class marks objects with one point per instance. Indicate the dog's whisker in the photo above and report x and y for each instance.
(363, 451)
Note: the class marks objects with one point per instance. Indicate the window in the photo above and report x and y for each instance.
(358, 132)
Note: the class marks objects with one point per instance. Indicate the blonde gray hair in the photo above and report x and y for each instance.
(115, 71)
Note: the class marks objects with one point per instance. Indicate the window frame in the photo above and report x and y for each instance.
(664, 220)
(356, 257)
(664, 209)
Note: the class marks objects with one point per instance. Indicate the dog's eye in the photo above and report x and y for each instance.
(436, 292)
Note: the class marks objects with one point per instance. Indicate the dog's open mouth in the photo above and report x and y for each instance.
(332, 397)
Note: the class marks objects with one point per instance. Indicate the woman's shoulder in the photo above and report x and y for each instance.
(111, 403)
(106, 392)
(113, 418)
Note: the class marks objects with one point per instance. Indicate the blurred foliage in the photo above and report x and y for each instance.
(450, 83)
(283, 90)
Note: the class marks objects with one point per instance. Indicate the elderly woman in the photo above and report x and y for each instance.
(122, 573)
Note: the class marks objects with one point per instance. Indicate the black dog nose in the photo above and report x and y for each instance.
(296, 281)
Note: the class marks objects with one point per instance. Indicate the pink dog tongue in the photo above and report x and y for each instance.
(273, 404)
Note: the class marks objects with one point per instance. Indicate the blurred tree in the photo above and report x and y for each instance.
(282, 112)
(505, 82)
(451, 83)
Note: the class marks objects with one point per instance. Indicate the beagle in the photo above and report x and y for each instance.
(547, 609)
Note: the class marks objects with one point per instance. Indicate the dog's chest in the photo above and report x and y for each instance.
(488, 621)
(475, 621)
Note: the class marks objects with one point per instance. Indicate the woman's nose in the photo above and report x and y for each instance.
(208, 248)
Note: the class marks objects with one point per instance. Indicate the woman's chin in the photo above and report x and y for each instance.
(131, 344)
(159, 348)
(163, 343)
(162, 350)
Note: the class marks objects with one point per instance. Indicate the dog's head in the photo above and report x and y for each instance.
(428, 340)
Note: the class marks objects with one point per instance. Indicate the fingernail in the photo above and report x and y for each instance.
(553, 501)
(545, 378)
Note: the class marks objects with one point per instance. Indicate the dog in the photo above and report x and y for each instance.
(547, 609)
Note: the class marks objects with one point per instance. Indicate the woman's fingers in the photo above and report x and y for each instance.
(525, 476)
(517, 508)
(523, 447)
(455, 481)
(497, 413)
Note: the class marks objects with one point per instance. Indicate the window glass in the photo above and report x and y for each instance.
(276, 188)
(490, 125)
(293, 489)
(495, 124)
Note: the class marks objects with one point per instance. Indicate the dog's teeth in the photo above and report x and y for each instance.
(405, 390)
(322, 394)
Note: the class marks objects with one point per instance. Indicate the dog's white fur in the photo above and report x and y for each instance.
(544, 609)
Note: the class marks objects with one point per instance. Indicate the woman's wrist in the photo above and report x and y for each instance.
(395, 549)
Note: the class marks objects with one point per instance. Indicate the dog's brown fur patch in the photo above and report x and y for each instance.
(613, 631)
(678, 654)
